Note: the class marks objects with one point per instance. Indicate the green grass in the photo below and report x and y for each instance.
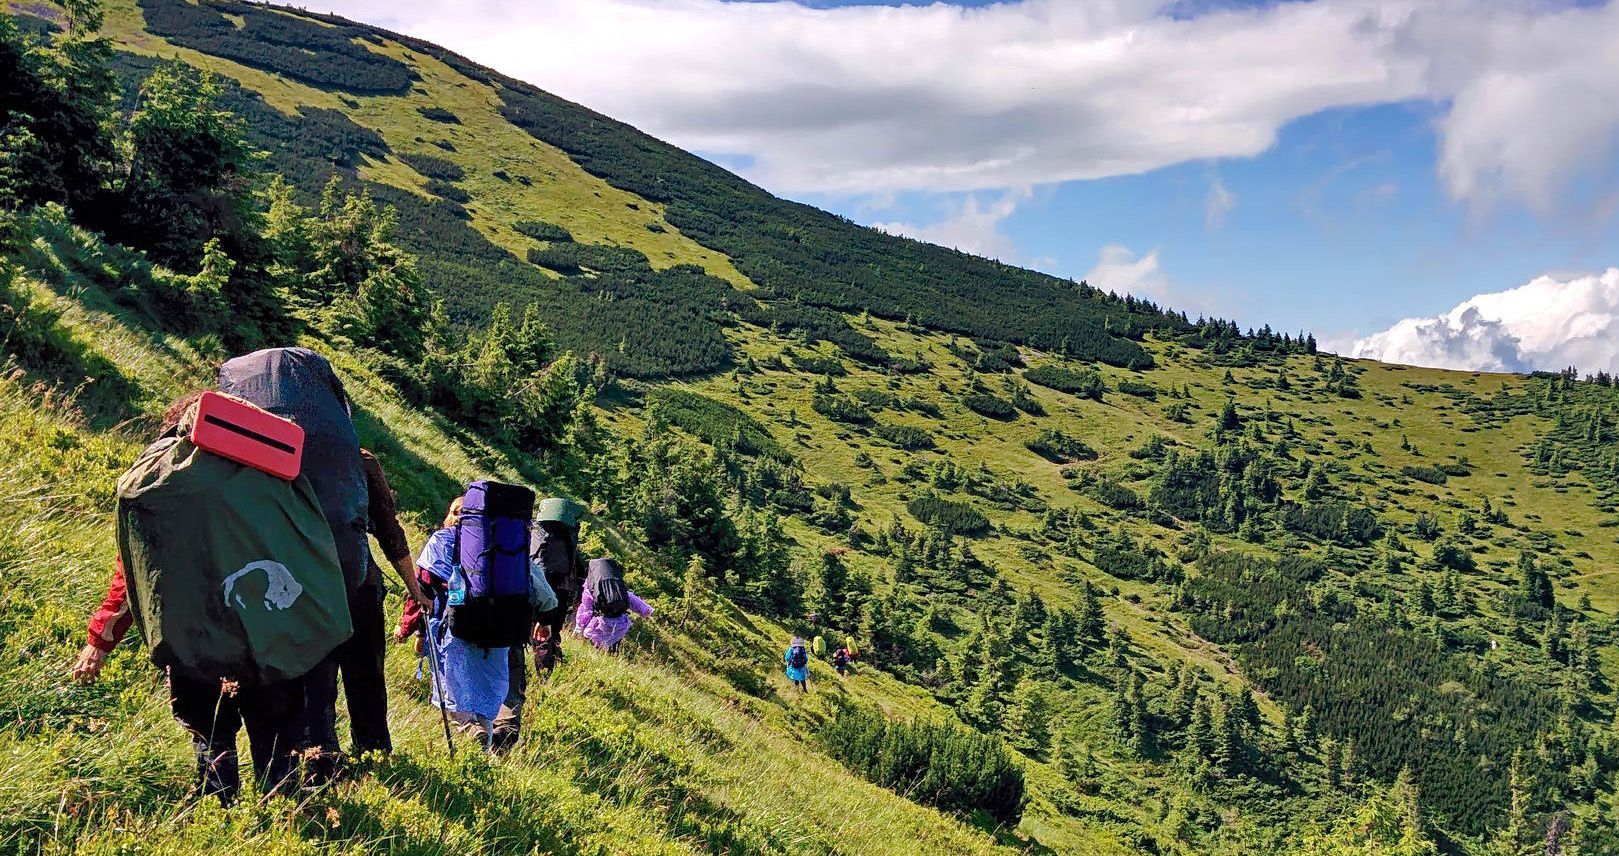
(1430, 421)
(647, 752)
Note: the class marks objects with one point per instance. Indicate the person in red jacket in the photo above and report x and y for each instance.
(212, 711)
(360, 659)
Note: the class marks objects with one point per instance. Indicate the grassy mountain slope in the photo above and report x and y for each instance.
(647, 753)
(1348, 550)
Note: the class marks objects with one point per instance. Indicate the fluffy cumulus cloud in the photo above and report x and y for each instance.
(1121, 271)
(1547, 323)
(972, 225)
(865, 98)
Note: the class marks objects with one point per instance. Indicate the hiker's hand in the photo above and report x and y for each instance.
(414, 589)
(88, 666)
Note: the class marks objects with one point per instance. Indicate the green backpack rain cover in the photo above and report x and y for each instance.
(232, 572)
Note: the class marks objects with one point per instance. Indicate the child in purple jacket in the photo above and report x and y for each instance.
(605, 605)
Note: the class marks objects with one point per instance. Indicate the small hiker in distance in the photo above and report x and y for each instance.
(797, 660)
(605, 605)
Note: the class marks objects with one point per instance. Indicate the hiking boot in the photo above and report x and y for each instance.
(322, 768)
(218, 774)
(502, 740)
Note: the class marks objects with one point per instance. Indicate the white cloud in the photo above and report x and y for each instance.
(970, 226)
(1534, 99)
(864, 98)
(1217, 204)
(1120, 270)
(1547, 323)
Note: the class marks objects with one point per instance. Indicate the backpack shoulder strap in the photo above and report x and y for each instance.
(441, 603)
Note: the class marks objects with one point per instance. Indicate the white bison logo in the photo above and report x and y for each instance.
(280, 590)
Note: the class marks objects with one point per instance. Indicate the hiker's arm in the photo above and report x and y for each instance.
(112, 619)
(407, 575)
(639, 606)
(107, 627)
(587, 609)
(414, 618)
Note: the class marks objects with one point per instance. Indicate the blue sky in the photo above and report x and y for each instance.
(1432, 181)
(1342, 227)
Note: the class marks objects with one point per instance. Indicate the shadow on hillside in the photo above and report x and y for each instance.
(65, 269)
(97, 389)
(1010, 838)
(423, 489)
(47, 355)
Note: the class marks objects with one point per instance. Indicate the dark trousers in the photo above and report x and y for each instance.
(365, 688)
(508, 723)
(272, 714)
(554, 619)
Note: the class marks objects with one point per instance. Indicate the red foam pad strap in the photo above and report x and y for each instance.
(238, 431)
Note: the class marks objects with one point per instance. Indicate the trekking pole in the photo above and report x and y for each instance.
(438, 689)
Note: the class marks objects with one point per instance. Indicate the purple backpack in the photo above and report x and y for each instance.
(491, 547)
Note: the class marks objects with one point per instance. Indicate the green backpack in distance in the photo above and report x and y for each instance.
(232, 573)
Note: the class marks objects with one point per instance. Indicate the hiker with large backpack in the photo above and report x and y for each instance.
(477, 568)
(300, 385)
(556, 548)
(605, 605)
(842, 662)
(797, 659)
(361, 659)
(228, 567)
(554, 555)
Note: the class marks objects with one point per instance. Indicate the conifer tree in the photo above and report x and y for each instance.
(1028, 722)
(1445, 596)
(1027, 617)
(904, 566)
(1422, 599)
(1247, 709)
(1346, 764)
(1332, 758)
(829, 588)
(1305, 725)
(1516, 837)
(1533, 584)
(1389, 823)
(1091, 625)
(1062, 645)
(983, 707)
(696, 589)
(1200, 729)
(1118, 647)
(1315, 485)
(1185, 698)
(1226, 738)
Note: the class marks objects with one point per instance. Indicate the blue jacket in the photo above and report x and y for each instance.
(800, 674)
